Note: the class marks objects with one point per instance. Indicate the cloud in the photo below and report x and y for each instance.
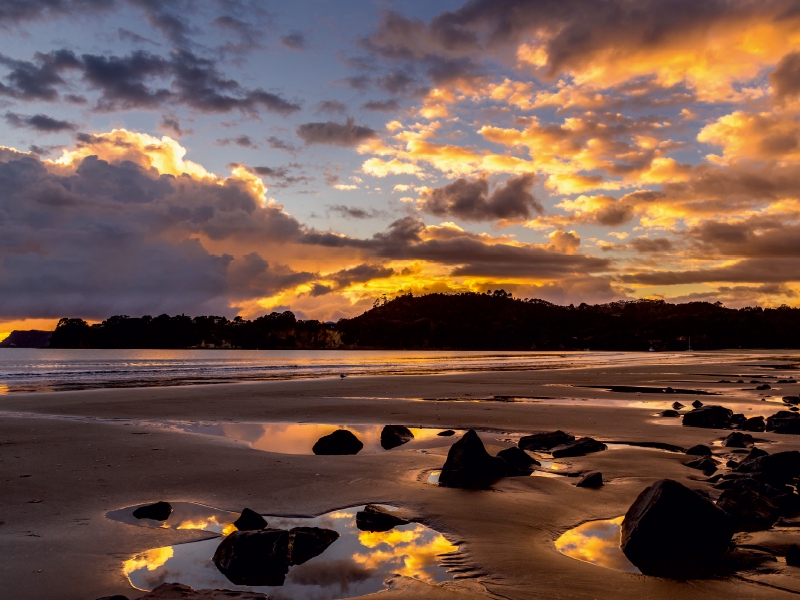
(390, 105)
(294, 41)
(785, 79)
(243, 141)
(279, 144)
(471, 201)
(331, 107)
(279, 177)
(40, 122)
(566, 242)
(355, 212)
(648, 245)
(336, 134)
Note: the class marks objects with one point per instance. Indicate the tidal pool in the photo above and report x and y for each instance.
(185, 515)
(357, 563)
(597, 542)
(299, 438)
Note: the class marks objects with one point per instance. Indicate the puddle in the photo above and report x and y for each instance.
(633, 389)
(299, 438)
(185, 515)
(357, 563)
(596, 542)
(433, 477)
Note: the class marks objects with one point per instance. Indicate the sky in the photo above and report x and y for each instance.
(238, 157)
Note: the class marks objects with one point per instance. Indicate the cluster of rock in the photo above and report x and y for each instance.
(469, 465)
(720, 417)
(342, 441)
(177, 591)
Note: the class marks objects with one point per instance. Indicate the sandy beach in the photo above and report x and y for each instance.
(68, 458)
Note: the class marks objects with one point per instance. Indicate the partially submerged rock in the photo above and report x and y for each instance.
(257, 558)
(250, 520)
(669, 413)
(393, 436)
(177, 591)
(579, 447)
(592, 479)
(699, 450)
(339, 442)
(710, 417)
(738, 439)
(672, 531)
(160, 511)
(377, 518)
(545, 440)
(791, 399)
(704, 464)
(518, 460)
(697, 404)
(677, 405)
(446, 433)
(469, 465)
(784, 421)
(748, 509)
(754, 424)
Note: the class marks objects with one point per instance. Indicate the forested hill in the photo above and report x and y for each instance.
(468, 321)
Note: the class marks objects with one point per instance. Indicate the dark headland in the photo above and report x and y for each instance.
(467, 321)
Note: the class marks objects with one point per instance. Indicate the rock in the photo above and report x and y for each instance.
(710, 417)
(469, 465)
(738, 440)
(377, 518)
(672, 531)
(753, 424)
(446, 433)
(250, 520)
(784, 421)
(579, 447)
(791, 399)
(160, 511)
(738, 419)
(592, 479)
(775, 469)
(177, 591)
(393, 436)
(677, 405)
(669, 413)
(669, 390)
(755, 453)
(788, 504)
(699, 450)
(257, 558)
(748, 510)
(545, 440)
(793, 556)
(732, 464)
(740, 381)
(518, 460)
(339, 442)
(794, 409)
(764, 386)
(697, 404)
(704, 464)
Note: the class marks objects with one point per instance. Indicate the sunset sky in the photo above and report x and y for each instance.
(238, 157)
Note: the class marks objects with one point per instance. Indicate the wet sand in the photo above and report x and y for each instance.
(61, 476)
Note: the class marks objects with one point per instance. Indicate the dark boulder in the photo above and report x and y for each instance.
(753, 424)
(763, 386)
(748, 509)
(518, 460)
(340, 441)
(672, 531)
(755, 453)
(793, 556)
(250, 520)
(784, 421)
(669, 413)
(257, 558)
(791, 399)
(545, 440)
(788, 504)
(469, 465)
(709, 417)
(699, 450)
(738, 440)
(592, 479)
(377, 518)
(160, 511)
(697, 404)
(677, 405)
(579, 447)
(775, 469)
(446, 433)
(738, 419)
(393, 436)
(704, 464)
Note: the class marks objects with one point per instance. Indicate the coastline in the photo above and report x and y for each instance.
(64, 546)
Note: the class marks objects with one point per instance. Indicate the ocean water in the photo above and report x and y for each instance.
(40, 370)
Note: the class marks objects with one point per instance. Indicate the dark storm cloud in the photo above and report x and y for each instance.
(382, 105)
(355, 212)
(294, 41)
(40, 122)
(336, 134)
(470, 200)
(120, 239)
(140, 80)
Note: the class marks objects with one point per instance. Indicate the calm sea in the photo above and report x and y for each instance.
(38, 370)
